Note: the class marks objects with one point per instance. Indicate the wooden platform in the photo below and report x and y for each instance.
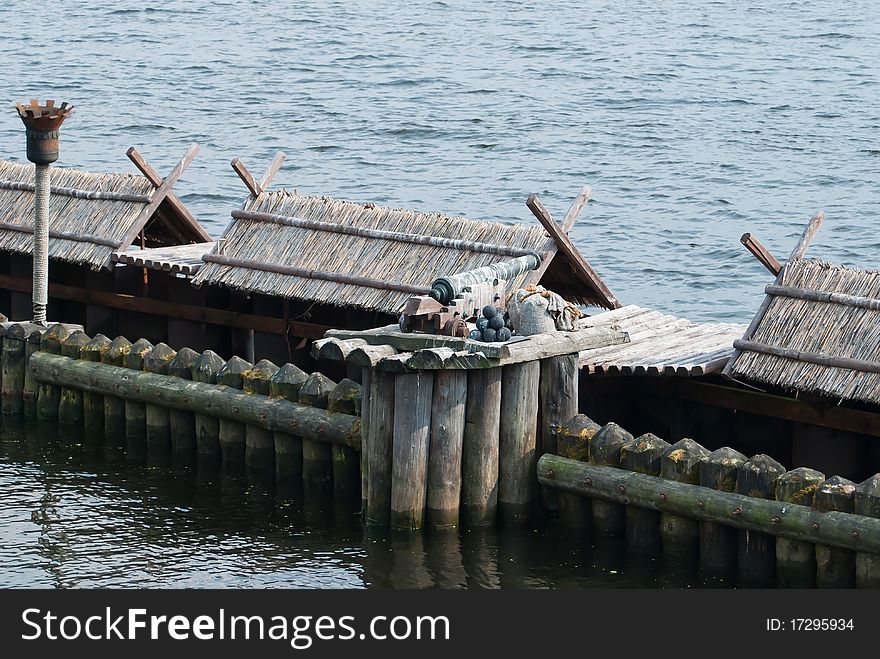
(660, 344)
(185, 259)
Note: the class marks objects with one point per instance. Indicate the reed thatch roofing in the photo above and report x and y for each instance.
(91, 215)
(272, 257)
(820, 333)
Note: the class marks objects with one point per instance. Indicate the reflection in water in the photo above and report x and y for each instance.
(83, 512)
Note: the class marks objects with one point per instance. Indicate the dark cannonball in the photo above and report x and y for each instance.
(496, 323)
(482, 323)
(476, 335)
(503, 334)
(488, 335)
(490, 311)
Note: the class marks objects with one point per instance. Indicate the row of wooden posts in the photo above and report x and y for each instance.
(734, 514)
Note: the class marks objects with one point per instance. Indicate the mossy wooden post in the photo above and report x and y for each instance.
(479, 460)
(48, 395)
(558, 395)
(286, 384)
(136, 412)
(379, 442)
(642, 455)
(158, 417)
(608, 519)
(573, 441)
(114, 407)
(233, 434)
(835, 566)
(317, 456)
(70, 406)
(93, 404)
(259, 446)
(413, 393)
(866, 501)
(205, 369)
(366, 376)
(681, 463)
(12, 366)
(796, 560)
(445, 448)
(757, 551)
(719, 543)
(29, 390)
(182, 424)
(517, 442)
(346, 399)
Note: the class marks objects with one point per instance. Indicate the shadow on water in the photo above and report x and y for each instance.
(87, 512)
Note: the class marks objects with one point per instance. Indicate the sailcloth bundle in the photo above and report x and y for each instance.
(535, 310)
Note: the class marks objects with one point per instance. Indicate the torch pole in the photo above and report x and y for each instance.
(41, 243)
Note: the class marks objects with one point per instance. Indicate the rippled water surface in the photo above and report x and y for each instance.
(693, 122)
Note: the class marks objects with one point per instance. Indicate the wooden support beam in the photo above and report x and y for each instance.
(273, 168)
(548, 252)
(809, 357)
(823, 296)
(246, 177)
(567, 247)
(761, 253)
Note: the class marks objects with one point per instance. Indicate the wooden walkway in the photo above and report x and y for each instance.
(660, 344)
(184, 259)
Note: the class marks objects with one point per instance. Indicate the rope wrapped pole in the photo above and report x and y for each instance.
(41, 242)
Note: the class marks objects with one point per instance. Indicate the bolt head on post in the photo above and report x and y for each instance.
(42, 123)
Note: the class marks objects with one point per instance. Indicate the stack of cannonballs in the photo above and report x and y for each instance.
(493, 326)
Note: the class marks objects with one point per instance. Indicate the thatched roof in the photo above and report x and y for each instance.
(820, 333)
(378, 272)
(91, 215)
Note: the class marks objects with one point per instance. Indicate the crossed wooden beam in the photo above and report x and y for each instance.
(256, 188)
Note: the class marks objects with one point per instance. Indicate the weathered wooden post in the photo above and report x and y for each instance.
(757, 551)
(796, 560)
(835, 566)
(573, 441)
(48, 395)
(317, 456)
(681, 463)
(378, 445)
(29, 390)
(718, 542)
(866, 501)
(259, 451)
(70, 406)
(608, 518)
(413, 393)
(366, 379)
(93, 404)
(559, 402)
(182, 425)
(518, 437)
(233, 434)
(136, 412)
(114, 407)
(445, 448)
(157, 417)
(642, 455)
(205, 369)
(12, 367)
(479, 460)
(286, 384)
(346, 399)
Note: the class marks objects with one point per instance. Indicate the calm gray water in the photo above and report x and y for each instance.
(693, 122)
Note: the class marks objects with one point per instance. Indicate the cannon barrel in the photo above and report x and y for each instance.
(445, 289)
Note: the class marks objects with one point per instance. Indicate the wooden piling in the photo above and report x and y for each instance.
(573, 441)
(719, 543)
(378, 444)
(182, 425)
(93, 404)
(205, 369)
(114, 407)
(49, 396)
(346, 399)
(12, 366)
(517, 442)
(29, 390)
(866, 501)
(366, 379)
(642, 455)
(70, 405)
(259, 451)
(445, 448)
(136, 412)
(757, 551)
(796, 560)
(413, 393)
(835, 566)
(479, 461)
(608, 519)
(286, 384)
(681, 463)
(232, 434)
(558, 395)
(317, 456)
(158, 419)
